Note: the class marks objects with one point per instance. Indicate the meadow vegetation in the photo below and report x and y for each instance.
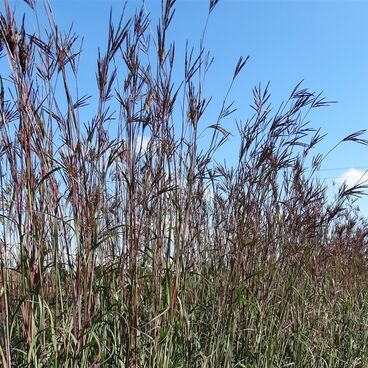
(126, 242)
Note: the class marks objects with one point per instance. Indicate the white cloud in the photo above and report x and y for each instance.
(145, 141)
(353, 176)
(208, 193)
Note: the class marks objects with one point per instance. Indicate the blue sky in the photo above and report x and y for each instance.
(323, 43)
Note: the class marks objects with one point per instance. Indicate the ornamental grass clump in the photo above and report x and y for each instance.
(124, 242)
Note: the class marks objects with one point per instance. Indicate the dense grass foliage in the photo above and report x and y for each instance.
(124, 240)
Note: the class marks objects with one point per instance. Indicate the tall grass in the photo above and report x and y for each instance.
(121, 253)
